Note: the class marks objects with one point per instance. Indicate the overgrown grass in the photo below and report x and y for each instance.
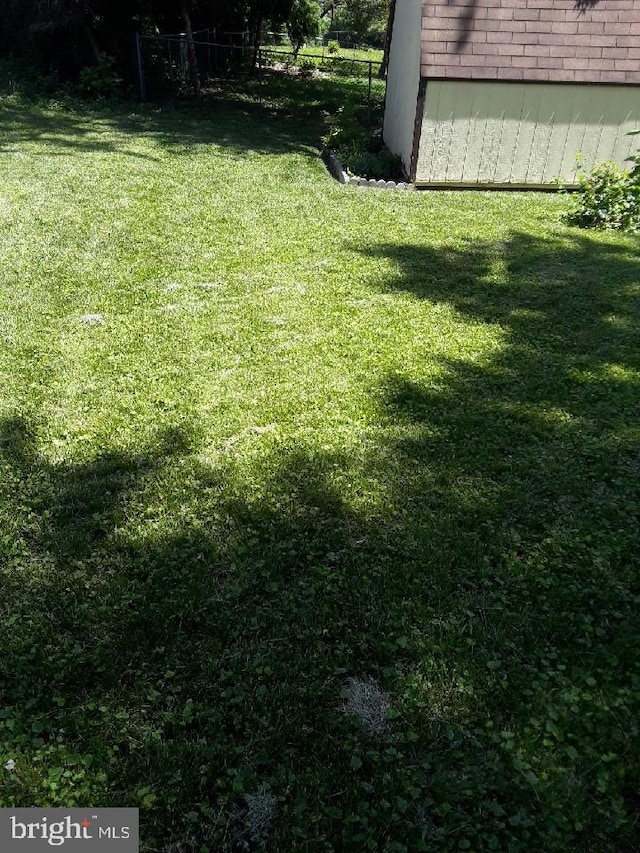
(319, 505)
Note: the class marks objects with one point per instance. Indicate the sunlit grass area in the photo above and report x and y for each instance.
(322, 51)
(318, 504)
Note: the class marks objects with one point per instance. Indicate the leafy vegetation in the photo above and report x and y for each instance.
(355, 133)
(360, 22)
(318, 506)
(100, 81)
(65, 38)
(303, 22)
(608, 197)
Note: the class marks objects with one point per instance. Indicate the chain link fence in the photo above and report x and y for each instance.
(172, 66)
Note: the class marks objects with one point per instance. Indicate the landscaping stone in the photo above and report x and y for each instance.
(337, 171)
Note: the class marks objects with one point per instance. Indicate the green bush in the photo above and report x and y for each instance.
(361, 23)
(100, 80)
(608, 197)
(347, 132)
(344, 66)
(355, 133)
(23, 81)
(333, 47)
(361, 150)
(307, 67)
(376, 164)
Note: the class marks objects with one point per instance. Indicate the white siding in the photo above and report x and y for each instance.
(494, 133)
(403, 80)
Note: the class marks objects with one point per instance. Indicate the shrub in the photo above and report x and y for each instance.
(376, 164)
(608, 197)
(100, 80)
(333, 47)
(23, 81)
(307, 67)
(359, 144)
(346, 131)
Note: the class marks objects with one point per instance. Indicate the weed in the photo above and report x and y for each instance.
(366, 701)
(261, 809)
(608, 197)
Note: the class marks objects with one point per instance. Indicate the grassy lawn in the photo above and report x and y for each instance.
(313, 50)
(318, 505)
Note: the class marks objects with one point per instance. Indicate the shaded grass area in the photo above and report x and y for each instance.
(285, 113)
(315, 437)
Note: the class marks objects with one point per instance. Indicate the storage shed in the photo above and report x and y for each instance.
(507, 93)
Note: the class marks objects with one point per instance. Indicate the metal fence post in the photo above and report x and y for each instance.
(141, 86)
(369, 90)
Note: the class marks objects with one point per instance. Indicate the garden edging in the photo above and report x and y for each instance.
(337, 170)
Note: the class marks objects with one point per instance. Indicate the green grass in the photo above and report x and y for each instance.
(327, 447)
(312, 50)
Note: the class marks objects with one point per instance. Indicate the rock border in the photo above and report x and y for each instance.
(337, 171)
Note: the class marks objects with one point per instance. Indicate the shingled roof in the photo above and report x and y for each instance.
(588, 41)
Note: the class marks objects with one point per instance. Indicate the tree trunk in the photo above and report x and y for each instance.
(387, 40)
(191, 49)
(256, 42)
(93, 44)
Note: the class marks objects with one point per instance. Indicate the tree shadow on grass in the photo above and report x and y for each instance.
(533, 453)
(550, 421)
(279, 116)
(171, 638)
(171, 126)
(177, 634)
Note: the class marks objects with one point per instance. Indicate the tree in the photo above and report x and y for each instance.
(261, 11)
(303, 23)
(365, 21)
(193, 62)
(64, 36)
(382, 71)
(33, 29)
